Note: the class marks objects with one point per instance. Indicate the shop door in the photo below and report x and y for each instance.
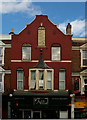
(64, 114)
(36, 114)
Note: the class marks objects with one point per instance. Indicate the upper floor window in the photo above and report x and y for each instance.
(41, 36)
(84, 84)
(49, 79)
(0, 56)
(40, 79)
(77, 85)
(0, 81)
(84, 58)
(20, 79)
(26, 51)
(33, 79)
(56, 52)
(62, 79)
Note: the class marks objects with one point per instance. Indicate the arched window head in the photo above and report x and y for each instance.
(41, 36)
(26, 51)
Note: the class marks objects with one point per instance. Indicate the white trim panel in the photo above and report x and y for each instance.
(38, 60)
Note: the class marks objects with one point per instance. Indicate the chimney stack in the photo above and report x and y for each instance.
(12, 32)
(68, 29)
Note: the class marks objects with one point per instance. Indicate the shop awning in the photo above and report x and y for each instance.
(49, 94)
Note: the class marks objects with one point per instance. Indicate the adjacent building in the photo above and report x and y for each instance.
(79, 75)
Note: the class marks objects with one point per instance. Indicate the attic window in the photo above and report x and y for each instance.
(41, 36)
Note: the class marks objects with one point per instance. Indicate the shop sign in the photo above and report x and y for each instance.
(80, 104)
(40, 101)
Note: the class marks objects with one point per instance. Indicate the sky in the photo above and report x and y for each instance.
(16, 15)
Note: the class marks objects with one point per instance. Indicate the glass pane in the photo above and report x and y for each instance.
(84, 54)
(61, 85)
(41, 83)
(62, 79)
(85, 79)
(62, 75)
(85, 62)
(0, 51)
(41, 75)
(33, 84)
(49, 85)
(20, 85)
(0, 86)
(20, 75)
(0, 77)
(0, 60)
(49, 75)
(55, 53)
(33, 75)
(26, 52)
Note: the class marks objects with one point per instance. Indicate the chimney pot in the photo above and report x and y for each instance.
(12, 32)
(68, 29)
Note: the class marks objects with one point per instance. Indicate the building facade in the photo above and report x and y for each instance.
(41, 66)
(79, 76)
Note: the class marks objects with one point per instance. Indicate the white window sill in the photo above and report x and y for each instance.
(83, 66)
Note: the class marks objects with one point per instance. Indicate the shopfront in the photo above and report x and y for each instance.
(53, 105)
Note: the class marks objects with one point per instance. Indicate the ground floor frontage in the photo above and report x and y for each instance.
(80, 107)
(31, 105)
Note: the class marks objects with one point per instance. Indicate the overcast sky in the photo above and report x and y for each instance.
(17, 14)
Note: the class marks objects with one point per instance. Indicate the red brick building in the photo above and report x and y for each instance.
(41, 65)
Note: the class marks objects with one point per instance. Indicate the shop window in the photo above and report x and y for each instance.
(56, 54)
(20, 79)
(40, 79)
(84, 58)
(62, 79)
(41, 36)
(26, 51)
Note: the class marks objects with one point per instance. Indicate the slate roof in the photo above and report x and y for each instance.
(41, 64)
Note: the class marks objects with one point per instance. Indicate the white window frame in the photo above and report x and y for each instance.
(49, 80)
(82, 50)
(2, 55)
(82, 83)
(2, 83)
(41, 82)
(59, 53)
(33, 81)
(20, 80)
(26, 45)
(45, 78)
(63, 80)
